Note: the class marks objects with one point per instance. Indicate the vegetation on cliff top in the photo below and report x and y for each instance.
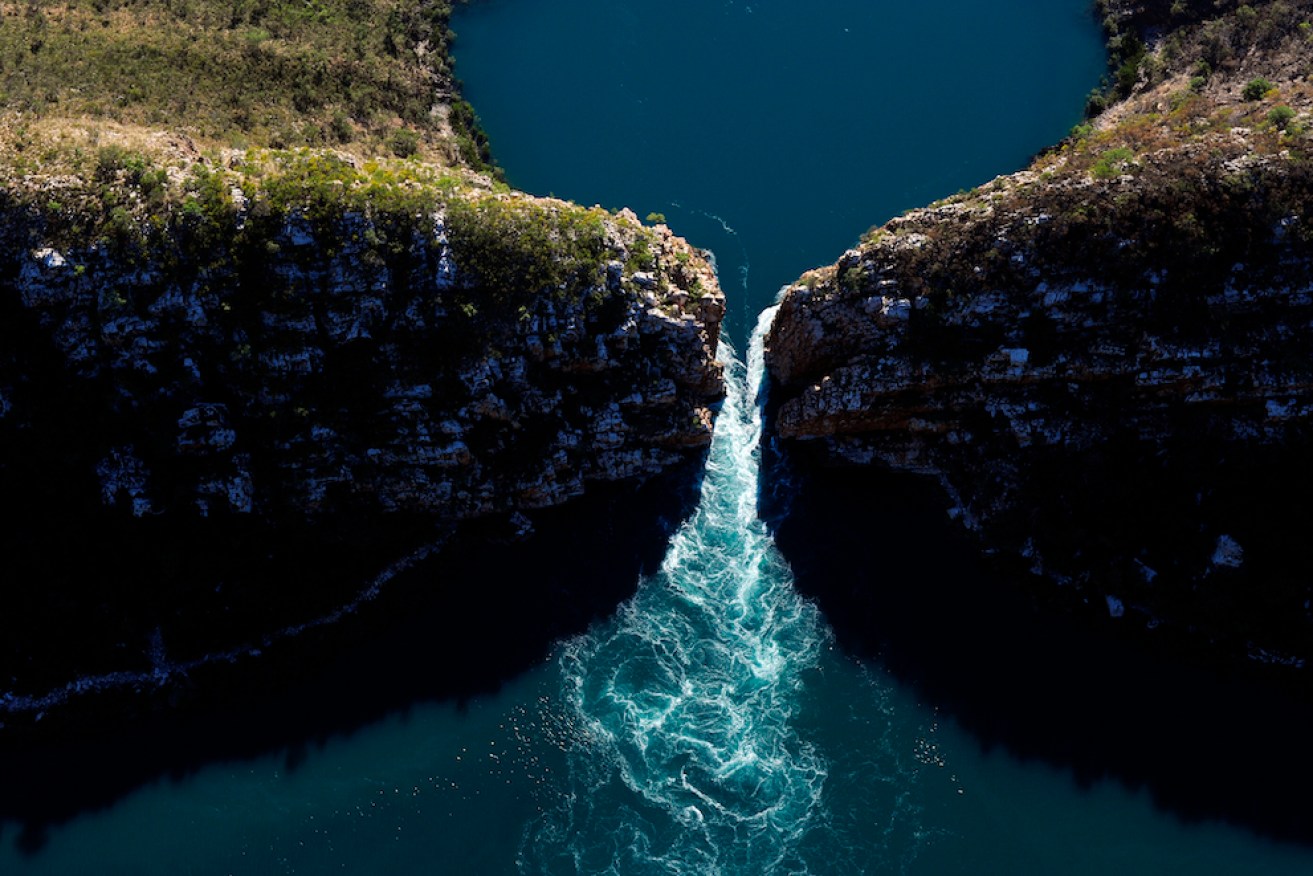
(186, 130)
(369, 75)
(1114, 341)
(275, 164)
(177, 211)
(1182, 179)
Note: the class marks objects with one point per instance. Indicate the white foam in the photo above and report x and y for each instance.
(689, 762)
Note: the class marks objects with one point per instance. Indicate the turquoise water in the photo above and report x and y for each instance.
(712, 725)
(689, 760)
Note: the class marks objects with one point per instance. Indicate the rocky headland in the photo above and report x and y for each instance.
(1103, 360)
(255, 366)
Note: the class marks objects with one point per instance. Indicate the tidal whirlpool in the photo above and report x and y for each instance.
(687, 761)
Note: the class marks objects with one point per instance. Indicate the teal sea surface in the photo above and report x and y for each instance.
(713, 724)
(774, 133)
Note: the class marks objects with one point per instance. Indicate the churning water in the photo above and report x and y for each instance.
(689, 761)
(710, 728)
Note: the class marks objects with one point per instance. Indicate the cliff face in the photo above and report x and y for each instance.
(271, 333)
(354, 358)
(1104, 359)
(297, 367)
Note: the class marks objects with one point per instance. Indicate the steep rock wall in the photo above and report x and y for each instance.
(226, 413)
(1103, 359)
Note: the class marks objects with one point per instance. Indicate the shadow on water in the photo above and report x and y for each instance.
(462, 623)
(901, 584)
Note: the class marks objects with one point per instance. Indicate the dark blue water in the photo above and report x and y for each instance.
(711, 726)
(773, 132)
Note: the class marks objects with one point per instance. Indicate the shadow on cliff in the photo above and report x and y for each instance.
(901, 584)
(460, 624)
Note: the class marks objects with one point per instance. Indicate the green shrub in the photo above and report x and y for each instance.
(1281, 116)
(471, 140)
(1128, 75)
(1112, 162)
(1256, 88)
(1128, 54)
(403, 143)
(1178, 99)
(113, 160)
(1095, 102)
(506, 245)
(340, 128)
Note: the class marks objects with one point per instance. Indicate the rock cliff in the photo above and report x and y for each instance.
(1103, 359)
(272, 331)
(466, 354)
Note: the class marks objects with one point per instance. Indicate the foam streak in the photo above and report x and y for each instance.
(688, 762)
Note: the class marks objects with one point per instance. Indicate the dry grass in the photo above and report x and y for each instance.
(279, 73)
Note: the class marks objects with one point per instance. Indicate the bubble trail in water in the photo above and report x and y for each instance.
(686, 761)
(745, 267)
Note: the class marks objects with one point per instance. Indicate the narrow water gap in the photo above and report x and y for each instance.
(689, 761)
(713, 726)
(773, 137)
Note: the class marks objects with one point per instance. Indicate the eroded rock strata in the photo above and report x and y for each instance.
(1104, 360)
(227, 415)
(274, 335)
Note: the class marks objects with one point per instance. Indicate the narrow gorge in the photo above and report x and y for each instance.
(377, 515)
